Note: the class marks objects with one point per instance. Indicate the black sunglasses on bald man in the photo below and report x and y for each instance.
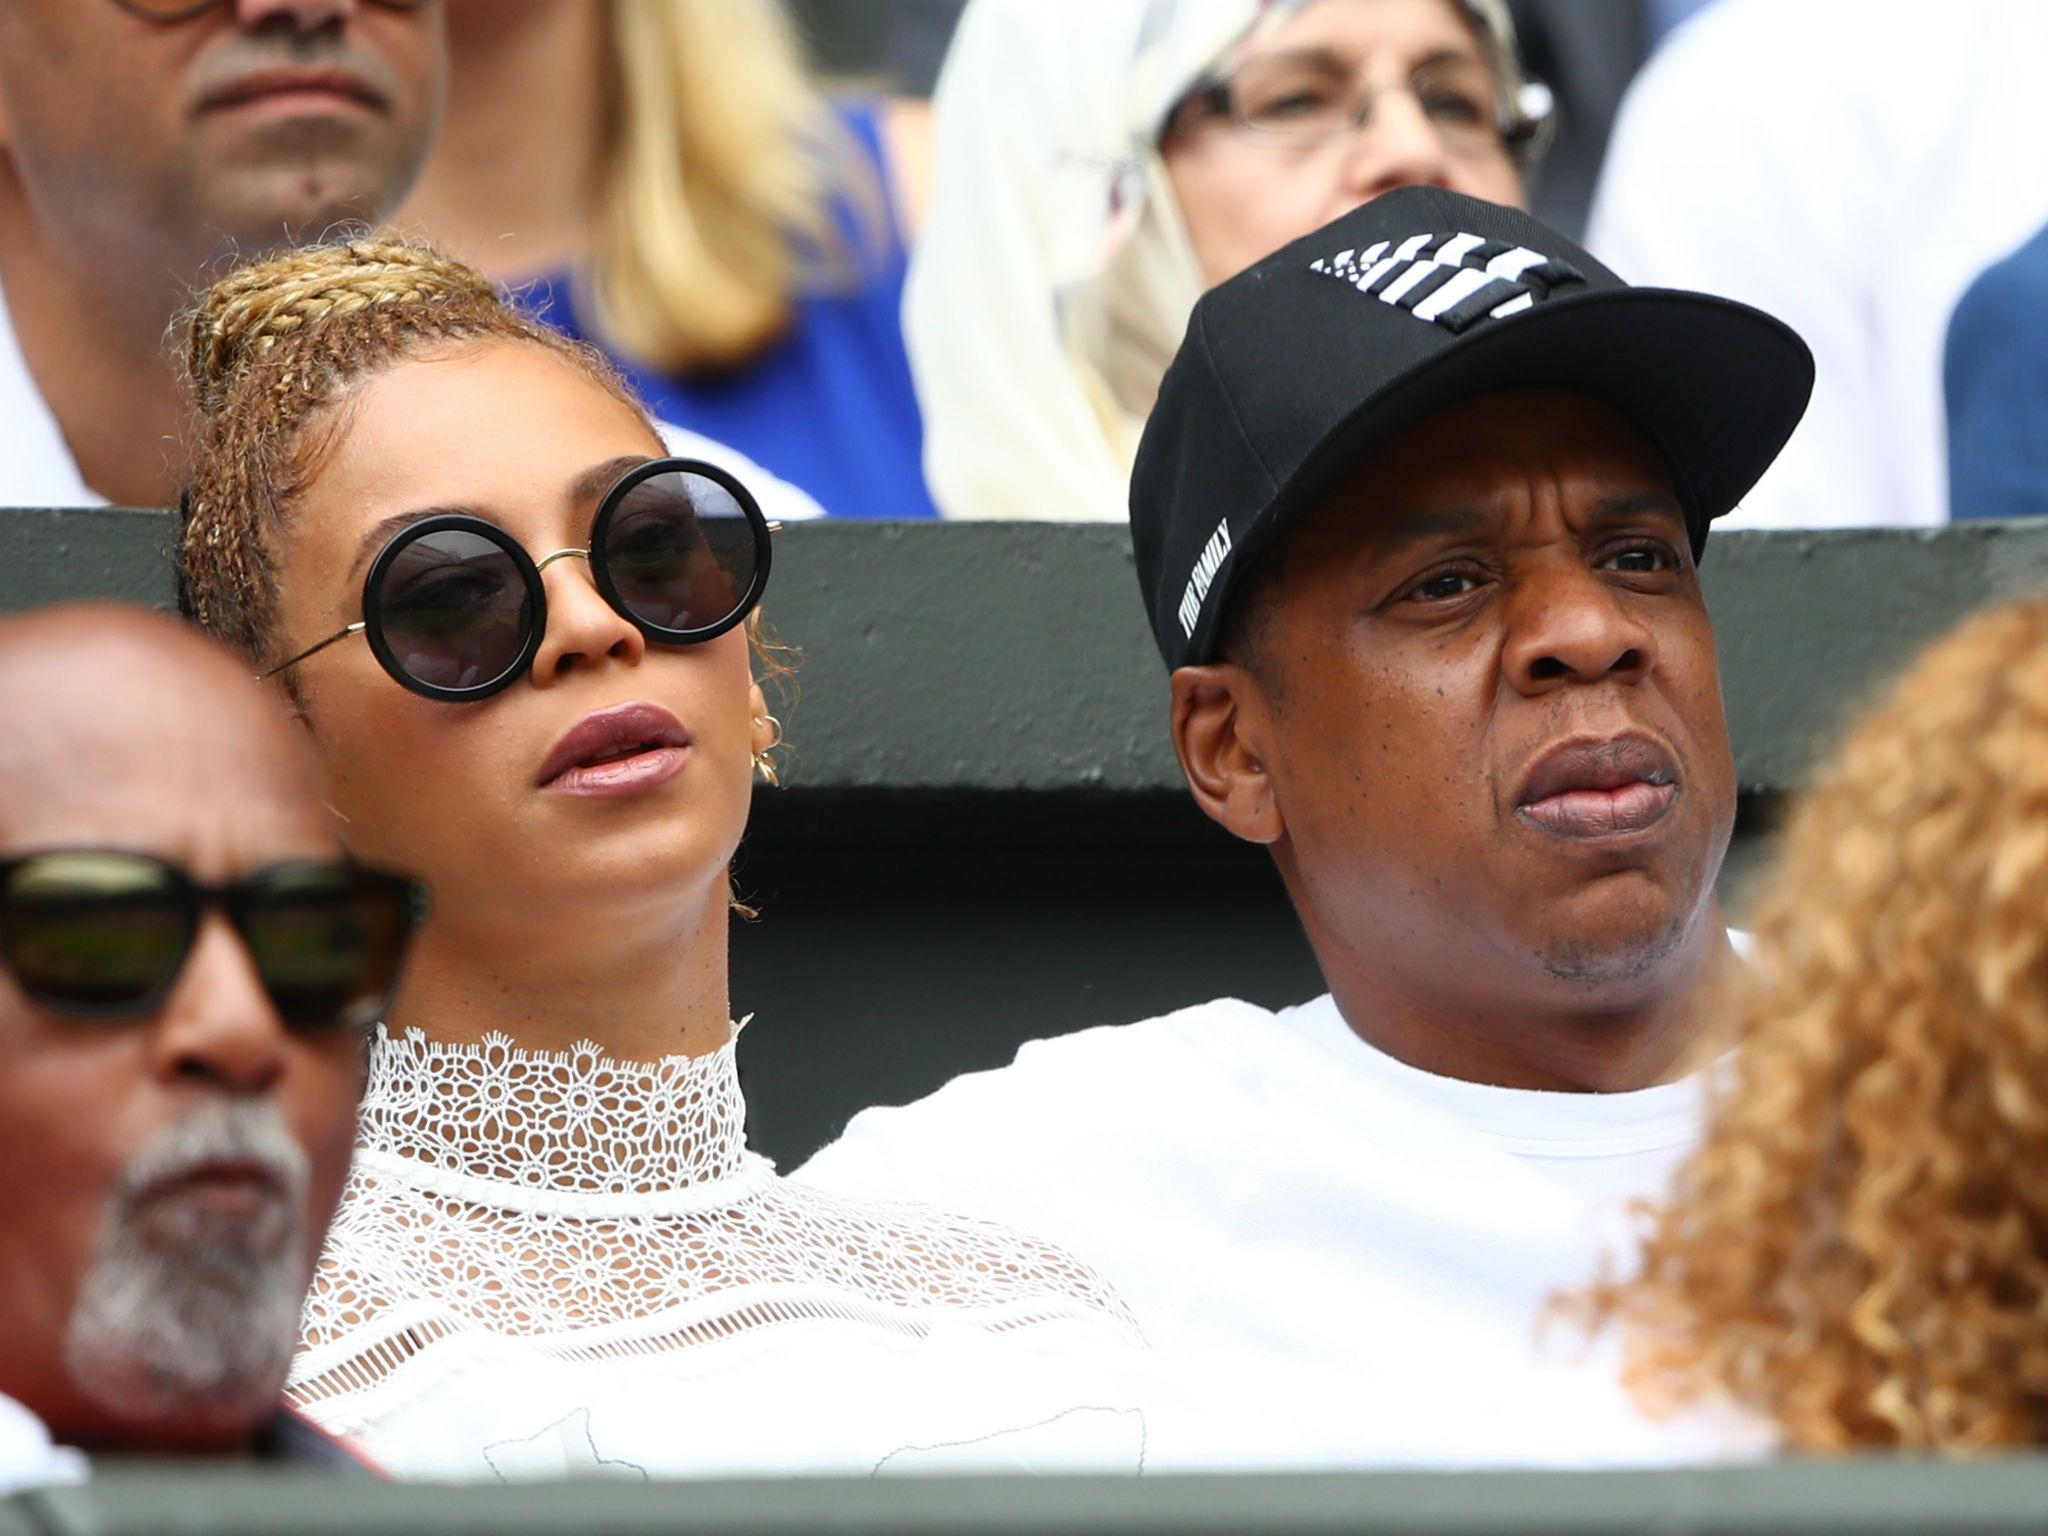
(454, 609)
(102, 933)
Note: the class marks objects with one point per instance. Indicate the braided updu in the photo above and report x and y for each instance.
(268, 351)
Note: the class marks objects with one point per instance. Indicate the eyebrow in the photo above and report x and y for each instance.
(587, 486)
(1328, 58)
(1463, 521)
(1453, 522)
(1622, 507)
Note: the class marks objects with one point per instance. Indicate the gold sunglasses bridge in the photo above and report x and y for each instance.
(561, 554)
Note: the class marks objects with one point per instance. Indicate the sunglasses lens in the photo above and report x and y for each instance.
(681, 552)
(94, 933)
(454, 610)
(327, 940)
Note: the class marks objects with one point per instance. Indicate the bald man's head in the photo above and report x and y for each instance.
(127, 727)
(169, 1175)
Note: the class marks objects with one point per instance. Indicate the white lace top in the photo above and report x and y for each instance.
(548, 1264)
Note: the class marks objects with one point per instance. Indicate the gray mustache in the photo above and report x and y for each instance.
(241, 1131)
(242, 54)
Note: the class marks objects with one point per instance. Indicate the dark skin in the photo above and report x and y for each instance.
(1508, 578)
(191, 761)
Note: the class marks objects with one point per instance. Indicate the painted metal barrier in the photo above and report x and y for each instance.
(1875, 1498)
(984, 837)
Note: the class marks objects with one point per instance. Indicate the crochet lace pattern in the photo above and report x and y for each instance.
(595, 1208)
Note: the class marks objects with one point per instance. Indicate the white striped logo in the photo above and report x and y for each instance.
(1455, 280)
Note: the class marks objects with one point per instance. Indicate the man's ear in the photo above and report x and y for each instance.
(1222, 733)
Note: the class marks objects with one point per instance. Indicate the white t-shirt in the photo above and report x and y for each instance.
(27, 1458)
(37, 469)
(1348, 1257)
(1850, 168)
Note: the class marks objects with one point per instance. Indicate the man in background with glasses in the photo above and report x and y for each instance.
(142, 143)
(188, 968)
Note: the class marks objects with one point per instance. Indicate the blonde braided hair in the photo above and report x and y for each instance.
(270, 351)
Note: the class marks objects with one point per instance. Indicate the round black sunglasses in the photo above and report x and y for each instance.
(103, 933)
(454, 609)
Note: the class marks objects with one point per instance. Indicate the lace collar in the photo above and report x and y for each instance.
(574, 1122)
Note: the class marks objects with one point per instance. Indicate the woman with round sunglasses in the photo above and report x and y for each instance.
(517, 636)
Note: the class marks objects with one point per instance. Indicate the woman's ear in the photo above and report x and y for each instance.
(1222, 731)
(766, 732)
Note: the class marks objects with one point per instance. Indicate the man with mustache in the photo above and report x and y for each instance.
(142, 144)
(146, 145)
(1416, 521)
(177, 1104)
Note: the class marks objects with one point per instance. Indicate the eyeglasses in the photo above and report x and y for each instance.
(185, 10)
(103, 934)
(1307, 98)
(454, 608)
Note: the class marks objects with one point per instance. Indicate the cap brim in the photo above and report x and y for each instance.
(1717, 385)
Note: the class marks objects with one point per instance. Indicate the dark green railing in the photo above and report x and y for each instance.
(985, 837)
(2008, 1498)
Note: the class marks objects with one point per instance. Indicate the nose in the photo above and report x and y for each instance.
(582, 626)
(220, 1026)
(294, 15)
(1396, 147)
(1566, 626)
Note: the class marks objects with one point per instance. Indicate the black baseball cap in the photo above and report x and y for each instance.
(1296, 370)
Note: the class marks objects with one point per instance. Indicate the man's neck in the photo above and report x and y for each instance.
(1543, 1030)
(510, 188)
(94, 343)
(641, 986)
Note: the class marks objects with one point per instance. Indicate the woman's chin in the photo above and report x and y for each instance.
(637, 869)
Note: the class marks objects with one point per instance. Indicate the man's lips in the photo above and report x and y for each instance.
(1590, 790)
(617, 750)
(286, 86)
(233, 1191)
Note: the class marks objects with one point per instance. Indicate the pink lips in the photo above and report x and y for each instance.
(1597, 790)
(619, 751)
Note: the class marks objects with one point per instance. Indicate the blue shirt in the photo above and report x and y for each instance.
(829, 406)
(1996, 378)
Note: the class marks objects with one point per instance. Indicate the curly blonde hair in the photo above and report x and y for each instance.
(1859, 1250)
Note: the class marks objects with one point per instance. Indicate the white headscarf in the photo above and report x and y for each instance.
(1055, 275)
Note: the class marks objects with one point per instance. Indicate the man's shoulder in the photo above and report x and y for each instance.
(38, 470)
(1102, 1083)
(28, 1458)
(2011, 292)
(1204, 1038)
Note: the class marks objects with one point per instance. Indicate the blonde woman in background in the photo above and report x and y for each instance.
(1101, 163)
(1857, 1256)
(663, 178)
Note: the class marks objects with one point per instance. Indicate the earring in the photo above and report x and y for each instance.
(763, 764)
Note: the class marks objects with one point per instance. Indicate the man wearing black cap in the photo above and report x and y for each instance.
(1417, 520)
